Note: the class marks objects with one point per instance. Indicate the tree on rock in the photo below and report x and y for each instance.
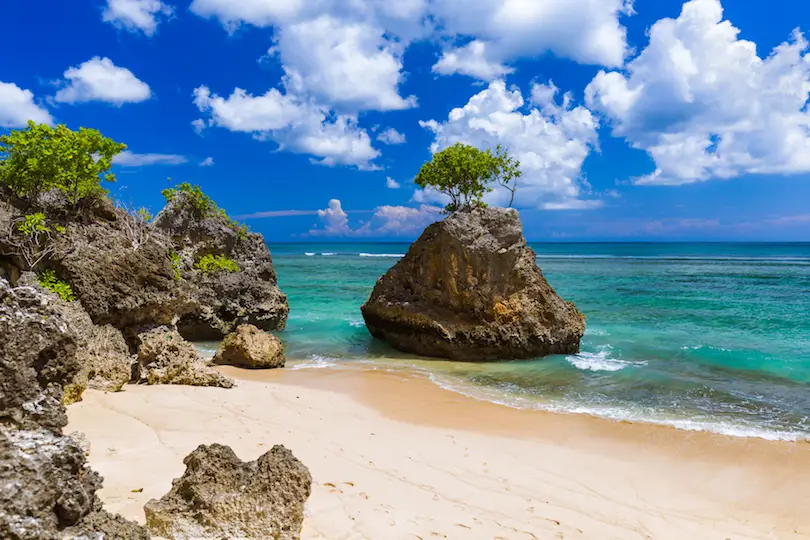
(40, 158)
(465, 173)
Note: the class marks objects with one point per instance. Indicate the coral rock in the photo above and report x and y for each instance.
(250, 347)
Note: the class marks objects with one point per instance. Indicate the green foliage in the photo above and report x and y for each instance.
(203, 205)
(40, 158)
(33, 224)
(49, 280)
(174, 257)
(60, 229)
(144, 215)
(465, 173)
(211, 264)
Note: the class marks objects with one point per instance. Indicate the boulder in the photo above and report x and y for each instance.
(47, 490)
(470, 289)
(250, 347)
(219, 496)
(222, 300)
(164, 357)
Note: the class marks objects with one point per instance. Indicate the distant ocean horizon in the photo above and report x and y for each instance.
(711, 336)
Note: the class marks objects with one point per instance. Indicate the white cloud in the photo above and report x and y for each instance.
(551, 141)
(99, 79)
(199, 126)
(470, 60)
(130, 159)
(294, 125)
(17, 107)
(391, 136)
(386, 221)
(390, 183)
(207, 162)
(704, 105)
(586, 31)
(136, 15)
(349, 65)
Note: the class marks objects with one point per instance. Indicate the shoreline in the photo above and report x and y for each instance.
(396, 456)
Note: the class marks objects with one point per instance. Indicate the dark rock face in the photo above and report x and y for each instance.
(164, 357)
(47, 491)
(250, 347)
(221, 496)
(469, 289)
(222, 301)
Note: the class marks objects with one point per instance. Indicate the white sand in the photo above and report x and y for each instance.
(394, 458)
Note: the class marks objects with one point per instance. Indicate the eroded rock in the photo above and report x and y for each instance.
(250, 347)
(221, 496)
(470, 289)
(164, 357)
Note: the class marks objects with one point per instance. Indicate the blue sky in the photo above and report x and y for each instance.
(644, 120)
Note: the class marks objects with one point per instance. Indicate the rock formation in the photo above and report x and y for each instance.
(222, 300)
(47, 491)
(221, 496)
(164, 357)
(250, 347)
(469, 289)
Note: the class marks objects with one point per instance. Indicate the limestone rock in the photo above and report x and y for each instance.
(222, 300)
(164, 357)
(250, 347)
(47, 490)
(221, 496)
(470, 289)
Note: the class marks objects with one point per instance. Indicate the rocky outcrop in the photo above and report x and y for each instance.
(469, 289)
(222, 300)
(250, 347)
(102, 353)
(219, 496)
(47, 490)
(164, 357)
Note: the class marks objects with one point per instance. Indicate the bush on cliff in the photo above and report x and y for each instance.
(40, 158)
(202, 205)
(212, 264)
(49, 281)
(464, 173)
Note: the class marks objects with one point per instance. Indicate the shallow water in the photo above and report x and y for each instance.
(699, 336)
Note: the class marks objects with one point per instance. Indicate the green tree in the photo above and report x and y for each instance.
(465, 173)
(40, 158)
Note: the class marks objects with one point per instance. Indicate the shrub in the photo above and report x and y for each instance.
(174, 257)
(40, 158)
(464, 173)
(211, 264)
(203, 205)
(49, 280)
(32, 239)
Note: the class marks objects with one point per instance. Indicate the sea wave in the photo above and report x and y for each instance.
(309, 254)
(328, 254)
(600, 361)
(316, 361)
(397, 255)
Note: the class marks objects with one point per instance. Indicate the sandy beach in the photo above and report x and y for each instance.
(396, 457)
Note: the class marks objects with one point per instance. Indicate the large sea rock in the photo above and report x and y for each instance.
(47, 490)
(220, 496)
(470, 289)
(222, 300)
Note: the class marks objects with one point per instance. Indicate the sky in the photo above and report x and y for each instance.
(633, 120)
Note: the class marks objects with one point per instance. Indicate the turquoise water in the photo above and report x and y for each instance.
(699, 336)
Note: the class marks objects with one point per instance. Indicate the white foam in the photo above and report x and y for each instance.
(309, 253)
(328, 254)
(596, 332)
(316, 362)
(398, 255)
(356, 323)
(600, 361)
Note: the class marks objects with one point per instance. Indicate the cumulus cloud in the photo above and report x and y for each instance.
(586, 31)
(390, 183)
(99, 79)
(704, 105)
(551, 140)
(207, 162)
(293, 124)
(391, 136)
(198, 125)
(17, 107)
(130, 159)
(386, 221)
(136, 15)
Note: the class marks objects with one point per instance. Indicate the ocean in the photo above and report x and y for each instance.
(712, 337)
